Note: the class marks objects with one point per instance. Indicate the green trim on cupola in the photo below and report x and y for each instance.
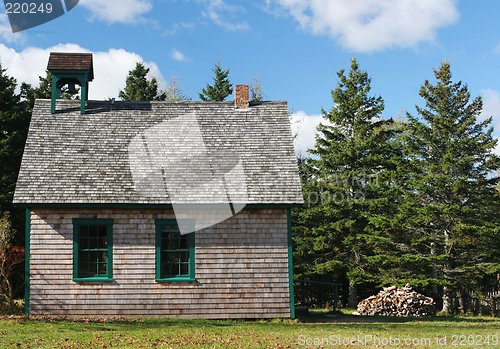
(70, 69)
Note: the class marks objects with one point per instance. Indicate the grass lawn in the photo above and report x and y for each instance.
(317, 330)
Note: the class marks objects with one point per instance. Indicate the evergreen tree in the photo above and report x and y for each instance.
(341, 187)
(139, 88)
(44, 89)
(221, 88)
(452, 201)
(392, 260)
(174, 91)
(256, 92)
(15, 115)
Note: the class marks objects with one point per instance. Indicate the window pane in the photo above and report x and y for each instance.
(102, 229)
(93, 249)
(102, 243)
(93, 268)
(84, 243)
(184, 242)
(165, 244)
(92, 243)
(93, 231)
(174, 252)
(184, 269)
(83, 269)
(102, 268)
(169, 230)
(84, 257)
(168, 269)
(164, 257)
(174, 243)
(184, 256)
(164, 269)
(173, 257)
(84, 231)
(103, 256)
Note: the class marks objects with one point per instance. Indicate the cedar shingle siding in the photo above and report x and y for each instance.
(241, 267)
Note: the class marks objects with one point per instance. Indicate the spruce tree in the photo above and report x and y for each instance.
(451, 197)
(341, 186)
(221, 88)
(44, 89)
(139, 88)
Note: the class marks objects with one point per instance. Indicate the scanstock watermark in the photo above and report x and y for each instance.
(448, 341)
(342, 187)
(202, 181)
(29, 14)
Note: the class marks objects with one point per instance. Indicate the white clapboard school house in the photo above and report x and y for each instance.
(175, 209)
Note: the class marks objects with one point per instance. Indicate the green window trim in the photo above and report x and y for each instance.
(78, 248)
(190, 276)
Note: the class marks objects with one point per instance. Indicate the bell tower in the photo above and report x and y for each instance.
(70, 69)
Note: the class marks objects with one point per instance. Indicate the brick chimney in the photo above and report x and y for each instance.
(241, 96)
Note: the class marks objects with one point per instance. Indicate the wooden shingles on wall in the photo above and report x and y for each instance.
(241, 268)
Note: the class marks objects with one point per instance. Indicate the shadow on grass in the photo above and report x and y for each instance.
(304, 318)
(118, 323)
(341, 317)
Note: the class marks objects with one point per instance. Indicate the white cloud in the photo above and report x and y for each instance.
(118, 11)
(304, 127)
(370, 25)
(179, 56)
(6, 31)
(491, 108)
(497, 48)
(215, 10)
(178, 26)
(110, 68)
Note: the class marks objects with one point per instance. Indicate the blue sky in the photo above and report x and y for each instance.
(295, 47)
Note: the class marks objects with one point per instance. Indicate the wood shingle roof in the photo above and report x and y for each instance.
(71, 61)
(154, 152)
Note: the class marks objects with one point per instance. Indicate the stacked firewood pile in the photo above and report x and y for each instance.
(394, 301)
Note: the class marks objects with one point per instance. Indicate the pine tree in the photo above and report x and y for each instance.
(342, 186)
(452, 201)
(221, 88)
(139, 88)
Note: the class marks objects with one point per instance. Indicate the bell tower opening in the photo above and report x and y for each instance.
(70, 69)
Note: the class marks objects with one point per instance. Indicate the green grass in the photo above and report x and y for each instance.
(41, 332)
